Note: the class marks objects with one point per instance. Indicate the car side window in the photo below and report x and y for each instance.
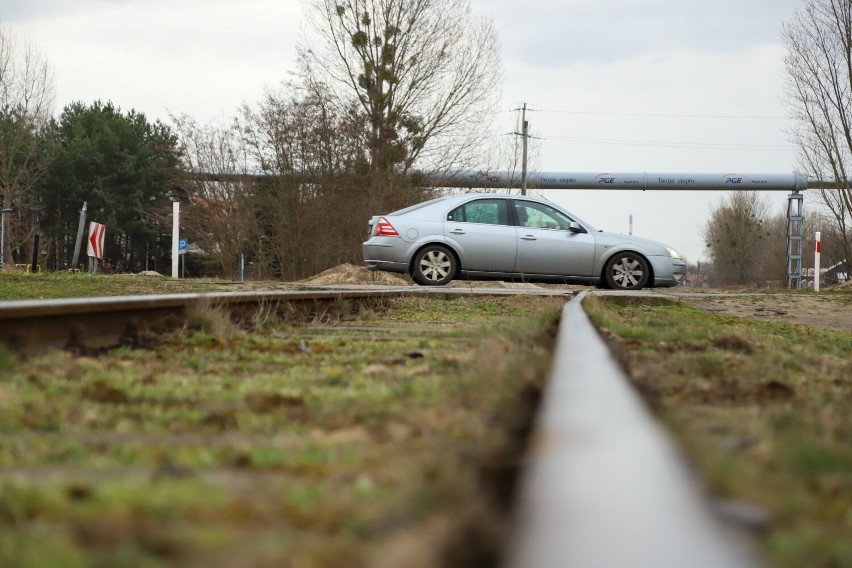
(540, 216)
(486, 211)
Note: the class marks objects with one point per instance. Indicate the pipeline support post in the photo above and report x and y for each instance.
(795, 217)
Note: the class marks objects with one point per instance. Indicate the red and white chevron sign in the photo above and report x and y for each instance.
(96, 240)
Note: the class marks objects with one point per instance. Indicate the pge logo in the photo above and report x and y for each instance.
(605, 178)
(730, 179)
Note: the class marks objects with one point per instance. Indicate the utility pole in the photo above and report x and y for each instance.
(525, 135)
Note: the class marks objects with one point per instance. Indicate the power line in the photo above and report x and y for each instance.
(671, 144)
(649, 143)
(665, 115)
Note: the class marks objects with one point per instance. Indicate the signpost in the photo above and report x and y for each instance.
(3, 234)
(183, 246)
(95, 245)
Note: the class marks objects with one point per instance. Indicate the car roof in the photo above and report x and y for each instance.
(453, 200)
(445, 200)
(464, 197)
(460, 197)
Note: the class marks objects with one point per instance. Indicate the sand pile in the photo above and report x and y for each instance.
(351, 274)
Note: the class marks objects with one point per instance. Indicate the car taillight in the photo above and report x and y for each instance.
(385, 229)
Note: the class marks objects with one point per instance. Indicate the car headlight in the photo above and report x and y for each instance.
(673, 252)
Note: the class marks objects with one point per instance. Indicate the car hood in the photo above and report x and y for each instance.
(644, 245)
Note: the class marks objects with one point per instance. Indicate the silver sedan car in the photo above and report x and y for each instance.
(508, 237)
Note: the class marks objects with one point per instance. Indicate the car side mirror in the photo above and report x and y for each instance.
(575, 227)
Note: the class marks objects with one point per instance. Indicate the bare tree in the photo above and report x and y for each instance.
(218, 214)
(26, 79)
(294, 140)
(424, 72)
(286, 183)
(819, 94)
(296, 130)
(315, 161)
(26, 101)
(736, 236)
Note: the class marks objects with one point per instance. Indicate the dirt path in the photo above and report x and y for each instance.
(830, 311)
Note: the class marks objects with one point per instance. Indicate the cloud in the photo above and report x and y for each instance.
(645, 114)
(202, 57)
(26, 10)
(16, 11)
(558, 33)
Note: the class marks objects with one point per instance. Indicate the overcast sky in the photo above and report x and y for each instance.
(613, 85)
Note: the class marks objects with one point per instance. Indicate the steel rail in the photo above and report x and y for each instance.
(604, 486)
(94, 323)
(100, 322)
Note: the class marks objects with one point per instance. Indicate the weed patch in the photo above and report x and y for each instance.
(21, 286)
(370, 437)
(763, 409)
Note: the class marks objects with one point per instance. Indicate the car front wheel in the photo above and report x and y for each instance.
(434, 265)
(627, 271)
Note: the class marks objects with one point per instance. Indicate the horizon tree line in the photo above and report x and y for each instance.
(384, 89)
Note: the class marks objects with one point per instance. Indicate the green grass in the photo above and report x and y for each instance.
(16, 285)
(763, 409)
(297, 444)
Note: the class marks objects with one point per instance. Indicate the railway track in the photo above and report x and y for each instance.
(91, 324)
(603, 486)
(103, 322)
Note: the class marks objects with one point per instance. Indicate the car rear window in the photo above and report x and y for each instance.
(487, 211)
(411, 208)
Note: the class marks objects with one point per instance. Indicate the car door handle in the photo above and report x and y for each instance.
(528, 238)
(457, 232)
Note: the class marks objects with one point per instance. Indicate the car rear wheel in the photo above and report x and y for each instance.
(434, 265)
(627, 271)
